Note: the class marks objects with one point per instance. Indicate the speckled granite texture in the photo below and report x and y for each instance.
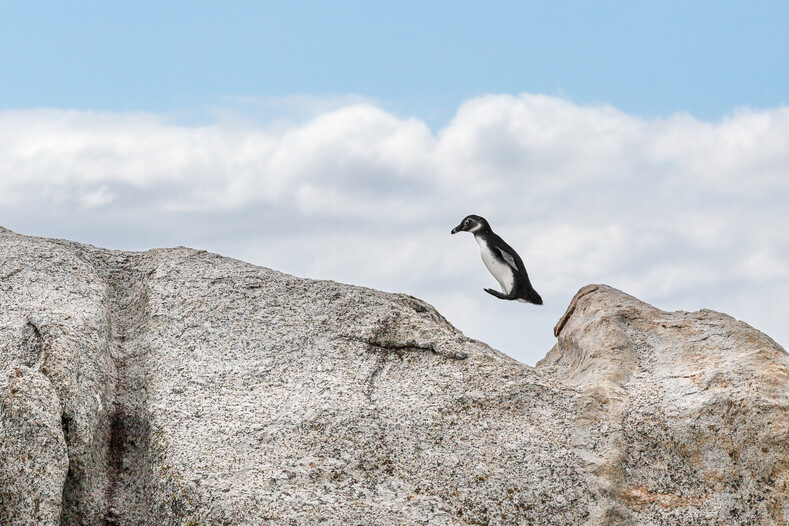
(179, 387)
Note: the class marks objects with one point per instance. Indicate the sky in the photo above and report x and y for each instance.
(642, 145)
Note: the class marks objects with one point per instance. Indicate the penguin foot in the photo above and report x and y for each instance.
(497, 294)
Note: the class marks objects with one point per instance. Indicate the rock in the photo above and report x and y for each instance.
(181, 387)
(54, 319)
(33, 456)
(685, 416)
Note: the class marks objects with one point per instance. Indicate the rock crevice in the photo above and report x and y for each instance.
(127, 309)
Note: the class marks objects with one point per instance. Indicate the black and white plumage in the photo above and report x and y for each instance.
(502, 261)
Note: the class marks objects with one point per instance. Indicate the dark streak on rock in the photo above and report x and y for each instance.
(34, 344)
(410, 346)
(65, 425)
(117, 442)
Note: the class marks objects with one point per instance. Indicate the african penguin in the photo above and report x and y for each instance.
(502, 261)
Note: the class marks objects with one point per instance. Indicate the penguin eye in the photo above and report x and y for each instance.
(466, 223)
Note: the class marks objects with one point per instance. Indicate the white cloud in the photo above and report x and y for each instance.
(101, 197)
(680, 212)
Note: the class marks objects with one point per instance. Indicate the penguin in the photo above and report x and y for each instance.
(502, 261)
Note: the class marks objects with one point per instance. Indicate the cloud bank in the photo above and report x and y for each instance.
(680, 212)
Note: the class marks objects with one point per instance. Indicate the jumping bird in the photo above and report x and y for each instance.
(502, 261)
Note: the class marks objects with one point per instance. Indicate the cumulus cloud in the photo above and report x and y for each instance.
(680, 212)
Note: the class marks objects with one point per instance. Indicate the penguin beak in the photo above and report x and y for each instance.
(458, 228)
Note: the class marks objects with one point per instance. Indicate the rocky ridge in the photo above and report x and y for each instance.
(176, 386)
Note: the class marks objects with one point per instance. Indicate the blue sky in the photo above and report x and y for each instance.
(413, 57)
(640, 144)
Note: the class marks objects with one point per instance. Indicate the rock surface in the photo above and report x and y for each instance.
(686, 413)
(175, 386)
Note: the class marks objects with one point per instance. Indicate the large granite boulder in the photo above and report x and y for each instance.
(175, 386)
(685, 415)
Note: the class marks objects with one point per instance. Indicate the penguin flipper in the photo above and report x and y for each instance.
(508, 259)
(497, 294)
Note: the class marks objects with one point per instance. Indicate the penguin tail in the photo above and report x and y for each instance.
(531, 296)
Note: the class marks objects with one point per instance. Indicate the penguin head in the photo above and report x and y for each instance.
(471, 224)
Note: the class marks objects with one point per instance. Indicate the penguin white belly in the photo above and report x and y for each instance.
(500, 270)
